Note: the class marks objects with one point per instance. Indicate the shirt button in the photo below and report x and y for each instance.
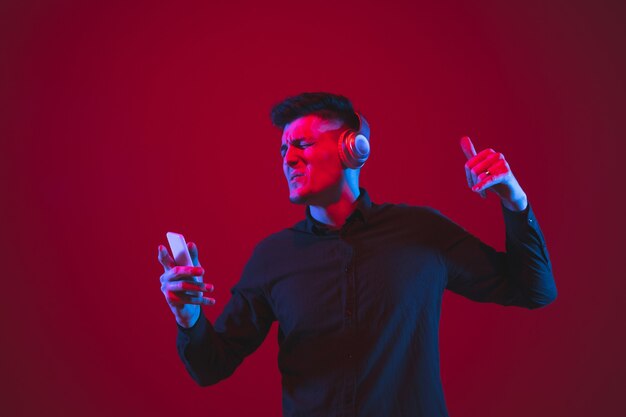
(346, 269)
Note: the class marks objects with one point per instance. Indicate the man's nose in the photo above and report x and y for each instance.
(291, 156)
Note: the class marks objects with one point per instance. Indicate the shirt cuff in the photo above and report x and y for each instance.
(522, 223)
(198, 328)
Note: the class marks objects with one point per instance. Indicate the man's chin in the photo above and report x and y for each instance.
(296, 198)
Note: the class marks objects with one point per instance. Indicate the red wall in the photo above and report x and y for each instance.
(120, 121)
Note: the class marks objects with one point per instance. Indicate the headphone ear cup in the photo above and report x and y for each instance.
(354, 149)
(362, 147)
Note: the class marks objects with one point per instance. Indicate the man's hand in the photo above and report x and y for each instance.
(489, 171)
(182, 286)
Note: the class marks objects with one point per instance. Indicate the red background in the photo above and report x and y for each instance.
(122, 121)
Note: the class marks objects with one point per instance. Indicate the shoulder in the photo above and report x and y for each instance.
(426, 224)
(269, 250)
(274, 241)
(422, 214)
(257, 269)
(407, 209)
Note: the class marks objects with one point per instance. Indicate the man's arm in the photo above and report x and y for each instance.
(523, 275)
(212, 353)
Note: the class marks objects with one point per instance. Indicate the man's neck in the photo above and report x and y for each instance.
(335, 214)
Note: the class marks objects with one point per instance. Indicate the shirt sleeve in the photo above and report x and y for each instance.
(521, 276)
(212, 352)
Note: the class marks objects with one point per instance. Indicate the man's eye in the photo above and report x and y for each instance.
(297, 144)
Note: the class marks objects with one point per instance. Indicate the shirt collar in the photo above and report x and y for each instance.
(361, 211)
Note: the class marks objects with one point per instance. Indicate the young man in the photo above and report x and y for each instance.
(356, 287)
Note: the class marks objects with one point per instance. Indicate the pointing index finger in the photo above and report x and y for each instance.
(468, 147)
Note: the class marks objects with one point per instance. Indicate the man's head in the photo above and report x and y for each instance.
(312, 124)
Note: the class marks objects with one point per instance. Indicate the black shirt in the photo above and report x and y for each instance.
(358, 308)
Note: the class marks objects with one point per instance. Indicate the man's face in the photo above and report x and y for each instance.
(311, 160)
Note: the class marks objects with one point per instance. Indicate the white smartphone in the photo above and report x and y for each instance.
(179, 249)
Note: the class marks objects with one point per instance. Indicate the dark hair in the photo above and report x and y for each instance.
(325, 105)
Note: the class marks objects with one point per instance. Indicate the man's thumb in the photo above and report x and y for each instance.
(193, 252)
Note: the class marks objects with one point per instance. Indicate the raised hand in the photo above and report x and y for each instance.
(489, 171)
(182, 286)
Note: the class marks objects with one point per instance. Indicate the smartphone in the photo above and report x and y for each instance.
(179, 249)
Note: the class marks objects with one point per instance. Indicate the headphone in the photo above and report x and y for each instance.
(354, 146)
